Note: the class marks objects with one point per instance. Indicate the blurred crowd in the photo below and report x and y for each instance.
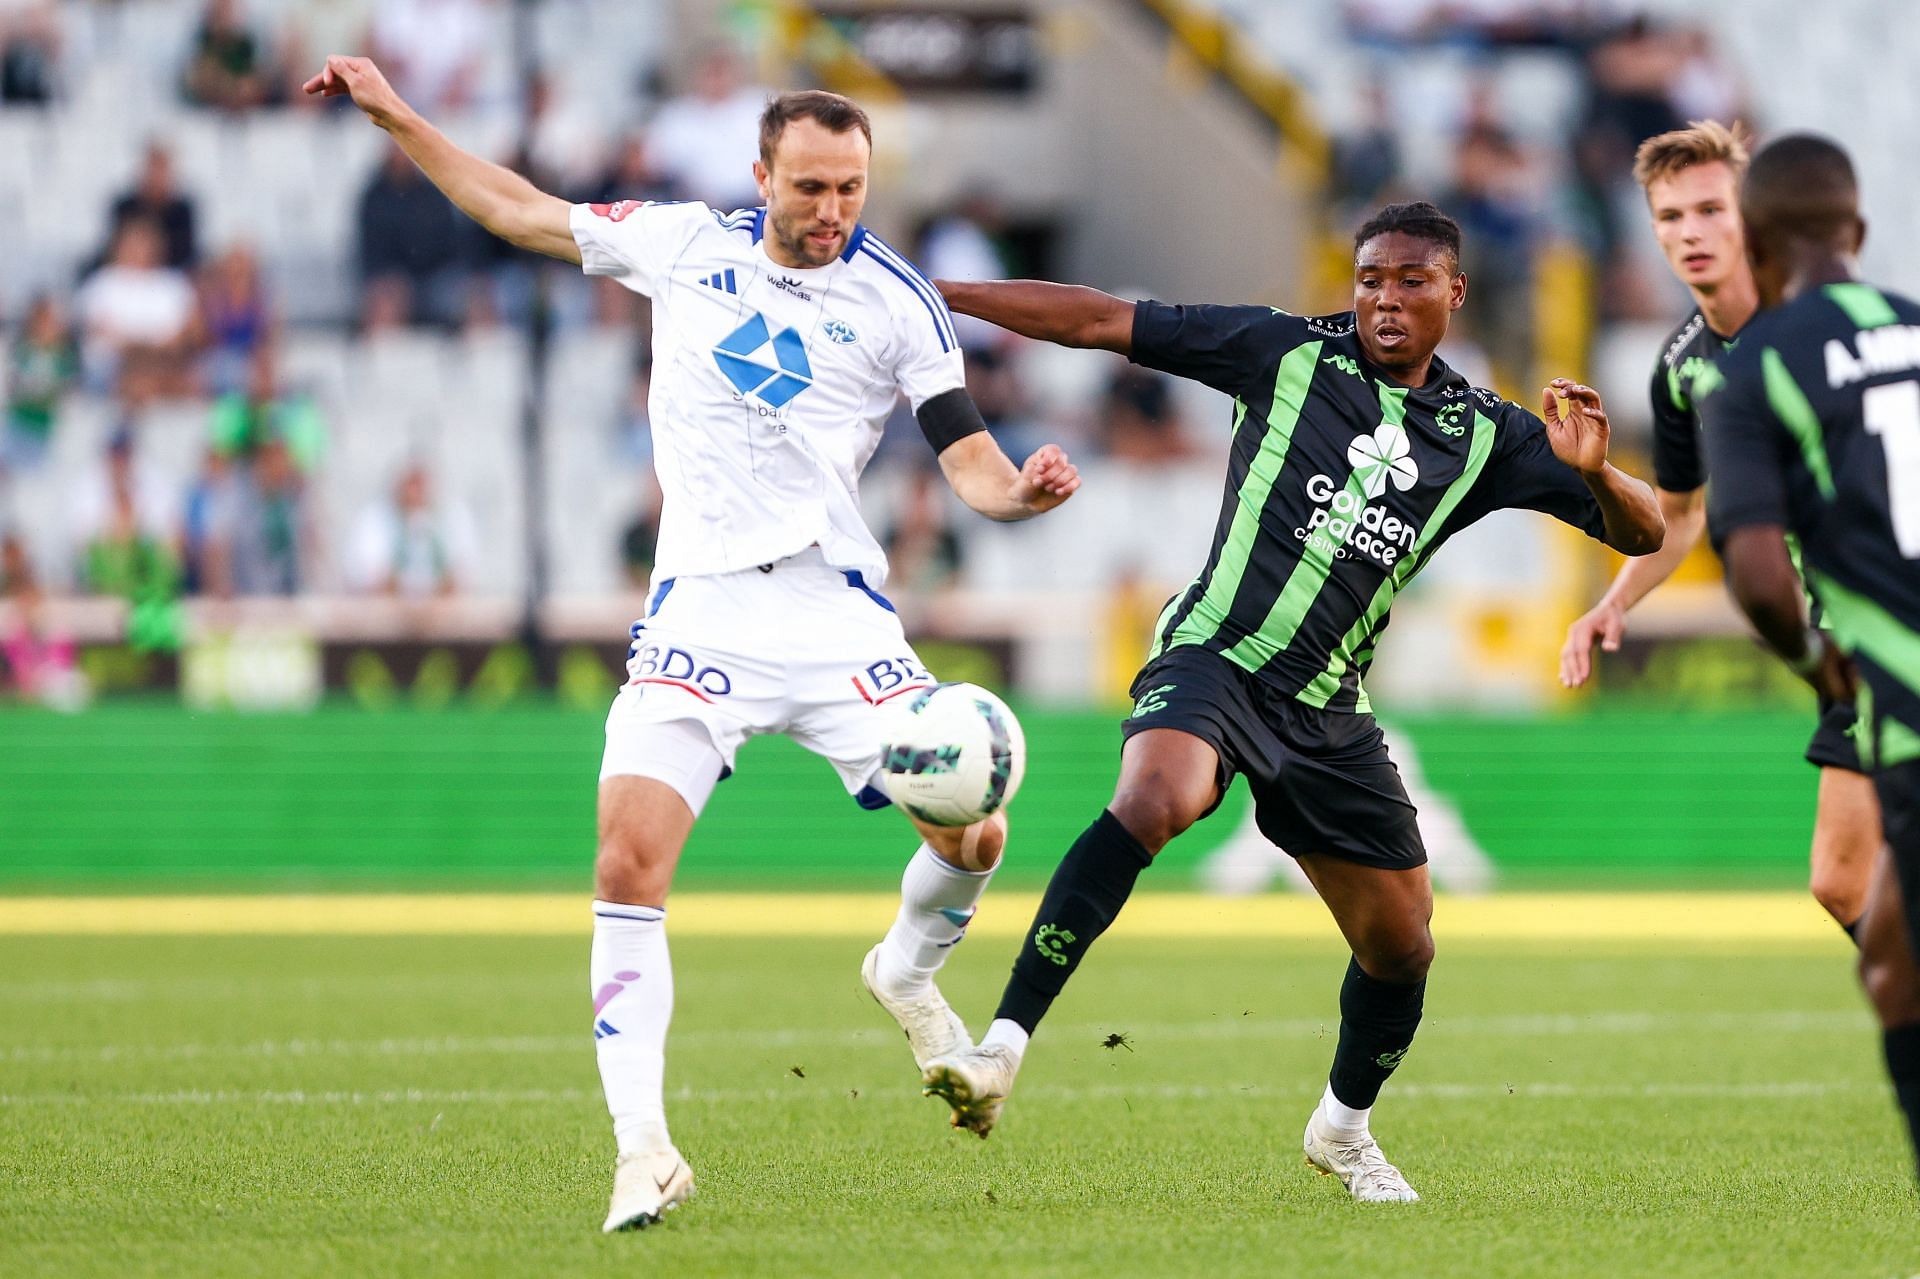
(158, 316)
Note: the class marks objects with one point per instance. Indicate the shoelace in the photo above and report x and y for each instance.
(1373, 1170)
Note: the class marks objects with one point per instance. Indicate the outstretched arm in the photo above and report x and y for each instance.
(1605, 624)
(986, 480)
(1579, 436)
(1064, 313)
(497, 198)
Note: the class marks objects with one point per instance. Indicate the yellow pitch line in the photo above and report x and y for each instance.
(1773, 917)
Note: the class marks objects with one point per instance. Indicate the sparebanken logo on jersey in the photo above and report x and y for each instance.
(773, 385)
(1344, 520)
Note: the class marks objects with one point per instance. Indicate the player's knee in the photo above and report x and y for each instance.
(1398, 955)
(1154, 812)
(628, 866)
(1838, 891)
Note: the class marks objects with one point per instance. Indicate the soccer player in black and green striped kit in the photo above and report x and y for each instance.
(1356, 454)
(1812, 427)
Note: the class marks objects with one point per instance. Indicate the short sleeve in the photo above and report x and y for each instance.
(929, 362)
(1226, 347)
(1677, 464)
(633, 241)
(1527, 475)
(1743, 444)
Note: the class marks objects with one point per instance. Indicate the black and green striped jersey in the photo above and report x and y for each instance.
(1678, 463)
(1813, 424)
(1341, 485)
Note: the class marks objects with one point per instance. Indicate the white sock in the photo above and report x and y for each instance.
(1006, 1034)
(1339, 1120)
(936, 903)
(631, 978)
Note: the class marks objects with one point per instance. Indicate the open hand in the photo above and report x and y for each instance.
(1047, 479)
(364, 81)
(1604, 625)
(1580, 437)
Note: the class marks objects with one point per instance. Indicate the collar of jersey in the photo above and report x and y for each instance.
(854, 242)
(1440, 374)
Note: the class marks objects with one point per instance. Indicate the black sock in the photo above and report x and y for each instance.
(1377, 1021)
(1902, 1046)
(1853, 930)
(1083, 897)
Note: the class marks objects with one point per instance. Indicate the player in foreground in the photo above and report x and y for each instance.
(1692, 180)
(781, 337)
(1356, 453)
(1813, 428)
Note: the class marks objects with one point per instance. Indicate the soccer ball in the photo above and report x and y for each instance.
(952, 754)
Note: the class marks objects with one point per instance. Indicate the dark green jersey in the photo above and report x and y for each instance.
(1341, 485)
(1678, 466)
(1813, 425)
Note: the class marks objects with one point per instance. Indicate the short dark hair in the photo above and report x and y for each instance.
(1416, 218)
(1802, 185)
(830, 110)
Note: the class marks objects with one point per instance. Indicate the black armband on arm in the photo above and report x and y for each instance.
(948, 418)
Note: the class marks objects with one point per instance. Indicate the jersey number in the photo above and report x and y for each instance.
(1892, 412)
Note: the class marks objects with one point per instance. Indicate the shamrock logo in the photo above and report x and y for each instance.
(1383, 456)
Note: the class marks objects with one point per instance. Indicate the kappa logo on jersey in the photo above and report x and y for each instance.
(721, 280)
(1381, 457)
(618, 210)
(773, 385)
(840, 331)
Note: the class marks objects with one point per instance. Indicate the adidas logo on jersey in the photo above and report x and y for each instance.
(721, 280)
(775, 385)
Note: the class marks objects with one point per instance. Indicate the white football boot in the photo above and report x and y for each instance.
(1362, 1169)
(646, 1186)
(933, 1028)
(975, 1082)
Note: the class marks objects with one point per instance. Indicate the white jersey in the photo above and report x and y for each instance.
(770, 384)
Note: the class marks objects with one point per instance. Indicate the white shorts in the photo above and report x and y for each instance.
(802, 648)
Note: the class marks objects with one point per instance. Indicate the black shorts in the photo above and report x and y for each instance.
(1836, 742)
(1899, 791)
(1321, 780)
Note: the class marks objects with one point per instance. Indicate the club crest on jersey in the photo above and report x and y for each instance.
(1381, 457)
(840, 331)
(740, 356)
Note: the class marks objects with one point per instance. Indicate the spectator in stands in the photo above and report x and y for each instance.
(1632, 76)
(1140, 421)
(244, 420)
(238, 318)
(36, 661)
(156, 198)
(139, 319)
(207, 529)
(632, 175)
(409, 244)
(41, 367)
(1366, 165)
(227, 69)
(273, 541)
(1492, 200)
(29, 56)
(994, 383)
(433, 51)
(964, 243)
(705, 140)
(130, 546)
(923, 551)
(411, 545)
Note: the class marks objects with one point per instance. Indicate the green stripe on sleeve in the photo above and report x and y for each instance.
(1290, 385)
(1327, 682)
(1865, 305)
(1283, 620)
(1790, 405)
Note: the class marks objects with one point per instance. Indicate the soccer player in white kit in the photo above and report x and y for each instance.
(781, 338)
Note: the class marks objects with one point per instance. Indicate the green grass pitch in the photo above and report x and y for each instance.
(241, 1106)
